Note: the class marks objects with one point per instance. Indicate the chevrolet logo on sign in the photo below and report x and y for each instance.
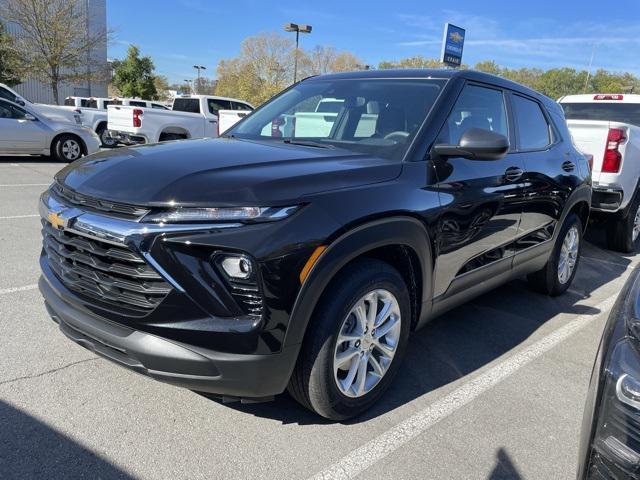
(456, 37)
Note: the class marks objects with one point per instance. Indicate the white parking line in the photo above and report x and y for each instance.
(5, 291)
(24, 185)
(375, 450)
(19, 216)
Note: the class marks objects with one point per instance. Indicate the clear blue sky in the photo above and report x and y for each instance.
(516, 33)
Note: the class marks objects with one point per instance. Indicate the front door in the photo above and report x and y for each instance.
(481, 200)
(17, 133)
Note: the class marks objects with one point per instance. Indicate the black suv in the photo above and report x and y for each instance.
(301, 249)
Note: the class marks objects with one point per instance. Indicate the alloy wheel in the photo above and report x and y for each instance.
(636, 226)
(367, 342)
(568, 255)
(71, 149)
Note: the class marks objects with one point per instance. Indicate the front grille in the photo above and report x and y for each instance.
(123, 210)
(113, 274)
(248, 297)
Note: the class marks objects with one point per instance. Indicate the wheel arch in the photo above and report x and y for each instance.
(399, 239)
(579, 203)
(175, 130)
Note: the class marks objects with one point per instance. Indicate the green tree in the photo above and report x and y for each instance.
(326, 59)
(134, 76)
(9, 59)
(53, 41)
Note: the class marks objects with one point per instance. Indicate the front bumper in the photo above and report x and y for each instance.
(193, 367)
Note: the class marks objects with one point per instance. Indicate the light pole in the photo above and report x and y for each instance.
(294, 27)
(198, 67)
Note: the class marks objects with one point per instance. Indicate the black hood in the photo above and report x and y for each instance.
(221, 172)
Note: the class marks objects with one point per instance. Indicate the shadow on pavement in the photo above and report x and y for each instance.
(31, 449)
(504, 469)
(469, 337)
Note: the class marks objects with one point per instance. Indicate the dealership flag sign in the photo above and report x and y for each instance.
(452, 43)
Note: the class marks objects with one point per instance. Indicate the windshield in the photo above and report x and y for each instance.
(375, 116)
(610, 112)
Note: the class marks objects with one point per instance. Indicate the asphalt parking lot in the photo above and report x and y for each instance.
(491, 390)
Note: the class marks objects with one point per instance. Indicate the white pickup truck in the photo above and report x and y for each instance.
(193, 116)
(93, 112)
(607, 126)
(53, 112)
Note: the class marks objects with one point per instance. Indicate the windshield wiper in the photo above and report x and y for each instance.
(307, 143)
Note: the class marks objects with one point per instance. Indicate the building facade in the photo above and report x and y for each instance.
(95, 12)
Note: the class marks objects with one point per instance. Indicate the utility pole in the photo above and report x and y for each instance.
(294, 27)
(198, 67)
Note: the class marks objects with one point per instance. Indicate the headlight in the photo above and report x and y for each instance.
(220, 214)
(617, 440)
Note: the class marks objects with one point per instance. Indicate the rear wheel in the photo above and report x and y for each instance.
(355, 342)
(558, 273)
(623, 234)
(105, 139)
(67, 148)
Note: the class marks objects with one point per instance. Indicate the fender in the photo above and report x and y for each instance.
(398, 230)
(581, 194)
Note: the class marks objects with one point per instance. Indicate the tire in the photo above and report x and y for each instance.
(550, 280)
(620, 231)
(314, 382)
(105, 140)
(67, 148)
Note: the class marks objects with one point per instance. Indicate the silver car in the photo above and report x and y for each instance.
(23, 132)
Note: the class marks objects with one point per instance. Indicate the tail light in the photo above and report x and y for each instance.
(137, 117)
(612, 155)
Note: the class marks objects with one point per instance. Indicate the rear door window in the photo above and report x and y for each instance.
(134, 103)
(69, 102)
(189, 105)
(158, 106)
(532, 128)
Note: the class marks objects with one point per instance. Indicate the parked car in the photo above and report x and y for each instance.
(53, 112)
(610, 442)
(190, 117)
(27, 132)
(93, 112)
(608, 127)
(254, 262)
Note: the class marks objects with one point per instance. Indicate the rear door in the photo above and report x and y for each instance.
(551, 170)
(482, 199)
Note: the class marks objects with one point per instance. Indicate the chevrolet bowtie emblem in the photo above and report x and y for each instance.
(55, 220)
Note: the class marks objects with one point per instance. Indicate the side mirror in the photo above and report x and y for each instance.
(476, 144)
(31, 118)
(20, 102)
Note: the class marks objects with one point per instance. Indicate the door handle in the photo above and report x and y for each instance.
(213, 121)
(513, 173)
(568, 166)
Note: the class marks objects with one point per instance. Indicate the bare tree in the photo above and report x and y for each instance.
(54, 40)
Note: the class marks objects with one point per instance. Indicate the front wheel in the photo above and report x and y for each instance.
(558, 273)
(355, 342)
(67, 148)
